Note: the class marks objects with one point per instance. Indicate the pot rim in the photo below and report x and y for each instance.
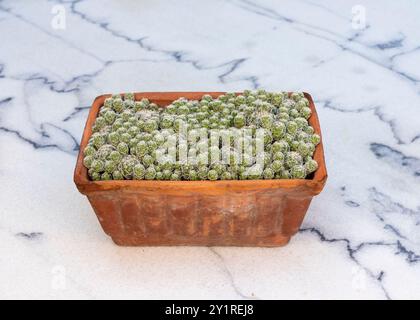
(85, 185)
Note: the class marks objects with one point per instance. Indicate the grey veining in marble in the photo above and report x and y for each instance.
(361, 237)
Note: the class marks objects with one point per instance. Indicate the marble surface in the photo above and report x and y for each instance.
(361, 236)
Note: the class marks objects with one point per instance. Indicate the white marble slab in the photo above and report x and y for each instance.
(361, 237)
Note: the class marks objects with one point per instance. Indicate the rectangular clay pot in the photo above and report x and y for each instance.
(206, 213)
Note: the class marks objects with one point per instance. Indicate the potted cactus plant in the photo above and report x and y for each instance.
(201, 168)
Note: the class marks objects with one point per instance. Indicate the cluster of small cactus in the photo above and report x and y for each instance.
(254, 135)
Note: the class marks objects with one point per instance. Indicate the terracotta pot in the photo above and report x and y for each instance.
(206, 213)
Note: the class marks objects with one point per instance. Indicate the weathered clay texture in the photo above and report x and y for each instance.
(208, 213)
